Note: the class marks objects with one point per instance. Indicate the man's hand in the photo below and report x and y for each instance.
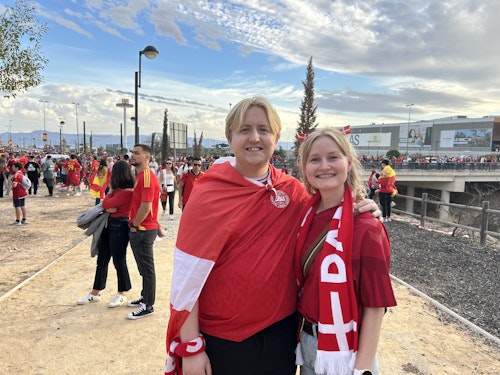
(198, 364)
(368, 205)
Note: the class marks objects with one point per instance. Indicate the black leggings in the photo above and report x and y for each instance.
(268, 352)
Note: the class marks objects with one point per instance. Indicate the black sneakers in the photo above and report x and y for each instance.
(141, 312)
(136, 302)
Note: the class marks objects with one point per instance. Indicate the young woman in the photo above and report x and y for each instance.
(167, 180)
(114, 239)
(344, 278)
(99, 181)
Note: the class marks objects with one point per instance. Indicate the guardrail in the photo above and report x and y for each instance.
(425, 202)
(440, 166)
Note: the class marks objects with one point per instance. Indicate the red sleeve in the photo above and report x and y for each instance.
(371, 263)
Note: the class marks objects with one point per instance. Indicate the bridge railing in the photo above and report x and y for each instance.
(484, 211)
(452, 166)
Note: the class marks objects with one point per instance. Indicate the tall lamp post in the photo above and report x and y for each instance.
(125, 104)
(150, 52)
(408, 130)
(61, 124)
(44, 135)
(77, 134)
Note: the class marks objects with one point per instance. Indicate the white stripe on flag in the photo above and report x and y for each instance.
(190, 274)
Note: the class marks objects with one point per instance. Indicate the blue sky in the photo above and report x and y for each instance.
(371, 59)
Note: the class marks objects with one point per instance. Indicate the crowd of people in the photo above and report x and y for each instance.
(246, 297)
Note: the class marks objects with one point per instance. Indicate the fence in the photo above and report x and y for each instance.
(484, 210)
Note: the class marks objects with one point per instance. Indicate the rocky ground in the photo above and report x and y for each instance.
(457, 272)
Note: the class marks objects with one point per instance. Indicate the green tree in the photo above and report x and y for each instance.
(308, 109)
(21, 60)
(164, 139)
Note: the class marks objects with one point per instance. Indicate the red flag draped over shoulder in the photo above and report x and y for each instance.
(230, 198)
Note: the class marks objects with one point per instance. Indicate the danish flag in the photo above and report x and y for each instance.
(301, 137)
(346, 130)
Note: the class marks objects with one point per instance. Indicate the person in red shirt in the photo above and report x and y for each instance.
(341, 262)
(114, 239)
(18, 194)
(188, 180)
(144, 228)
(73, 169)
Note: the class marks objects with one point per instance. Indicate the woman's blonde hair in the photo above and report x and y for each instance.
(234, 119)
(353, 176)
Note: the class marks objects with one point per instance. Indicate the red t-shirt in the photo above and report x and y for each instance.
(370, 266)
(73, 168)
(120, 199)
(146, 189)
(189, 179)
(18, 191)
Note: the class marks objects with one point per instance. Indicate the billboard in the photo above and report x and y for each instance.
(465, 138)
(415, 135)
(178, 137)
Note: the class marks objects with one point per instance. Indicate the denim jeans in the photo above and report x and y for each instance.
(309, 346)
(141, 242)
(113, 243)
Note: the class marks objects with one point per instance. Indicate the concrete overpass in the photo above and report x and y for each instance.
(444, 180)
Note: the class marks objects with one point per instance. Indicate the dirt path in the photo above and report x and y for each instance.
(45, 332)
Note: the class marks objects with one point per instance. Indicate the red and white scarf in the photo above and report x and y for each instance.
(338, 321)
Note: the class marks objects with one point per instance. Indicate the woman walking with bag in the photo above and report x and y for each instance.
(167, 180)
(114, 239)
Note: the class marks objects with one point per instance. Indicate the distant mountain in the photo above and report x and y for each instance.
(98, 140)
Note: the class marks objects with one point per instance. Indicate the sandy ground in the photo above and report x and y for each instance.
(45, 332)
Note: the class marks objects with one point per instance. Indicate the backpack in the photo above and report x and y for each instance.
(26, 183)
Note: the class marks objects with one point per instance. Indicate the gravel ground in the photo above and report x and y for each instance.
(456, 272)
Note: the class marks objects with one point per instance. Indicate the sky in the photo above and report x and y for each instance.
(371, 59)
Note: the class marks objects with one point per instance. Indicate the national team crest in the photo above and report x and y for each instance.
(280, 199)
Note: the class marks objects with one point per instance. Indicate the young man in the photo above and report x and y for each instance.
(18, 194)
(144, 229)
(188, 179)
(48, 168)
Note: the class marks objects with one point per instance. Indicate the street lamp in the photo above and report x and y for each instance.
(125, 104)
(77, 134)
(44, 135)
(150, 52)
(61, 124)
(408, 132)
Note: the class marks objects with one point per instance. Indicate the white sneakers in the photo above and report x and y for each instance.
(89, 298)
(118, 300)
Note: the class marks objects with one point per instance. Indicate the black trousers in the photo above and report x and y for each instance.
(385, 203)
(113, 243)
(268, 352)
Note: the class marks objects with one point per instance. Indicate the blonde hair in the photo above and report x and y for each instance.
(354, 175)
(234, 119)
